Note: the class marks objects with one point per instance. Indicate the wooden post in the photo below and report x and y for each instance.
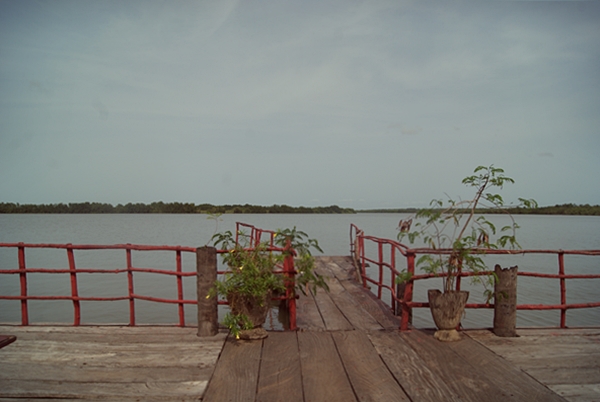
(505, 301)
(206, 268)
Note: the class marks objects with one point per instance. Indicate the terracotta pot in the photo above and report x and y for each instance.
(447, 308)
(255, 308)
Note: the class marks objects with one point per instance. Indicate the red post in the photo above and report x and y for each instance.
(408, 291)
(74, 290)
(180, 290)
(563, 289)
(393, 275)
(290, 291)
(130, 286)
(23, 279)
(380, 263)
(361, 253)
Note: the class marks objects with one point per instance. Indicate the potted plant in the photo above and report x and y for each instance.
(460, 234)
(252, 281)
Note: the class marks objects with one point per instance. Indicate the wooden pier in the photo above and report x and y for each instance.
(348, 348)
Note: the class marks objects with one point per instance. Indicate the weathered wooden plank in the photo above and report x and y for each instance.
(370, 378)
(280, 373)
(514, 382)
(466, 380)
(323, 375)
(419, 382)
(543, 352)
(332, 316)
(236, 374)
(104, 329)
(184, 390)
(579, 392)
(343, 268)
(557, 331)
(308, 317)
(27, 371)
(348, 305)
(108, 358)
(111, 363)
(375, 307)
(567, 375)
(112, 335)
(60, 345)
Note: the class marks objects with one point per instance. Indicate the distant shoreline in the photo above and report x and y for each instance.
(190, 208)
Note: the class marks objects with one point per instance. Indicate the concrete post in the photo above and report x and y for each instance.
(505, 301)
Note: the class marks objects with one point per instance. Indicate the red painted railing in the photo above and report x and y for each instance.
(255, 237)
(389, 252)
(73, 271)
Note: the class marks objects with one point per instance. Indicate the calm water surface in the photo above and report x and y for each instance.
(332, 231)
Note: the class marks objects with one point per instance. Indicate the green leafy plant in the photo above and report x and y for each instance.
(237, 323)
(463, 234)
(306, 277)
(252, 280)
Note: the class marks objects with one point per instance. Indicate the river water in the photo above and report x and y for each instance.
(332, 232)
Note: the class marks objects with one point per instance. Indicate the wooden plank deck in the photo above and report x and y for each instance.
(348, 348)
(110, 363)
(567, 361)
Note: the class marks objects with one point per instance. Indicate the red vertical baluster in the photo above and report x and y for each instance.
(408, 291)
(393, 278)
(74, 290)
(258, 235)
(380, 259)
(563, 289)
(130, 285)
(363, 264)
(288, 267)
(180, 290)
(23, 279)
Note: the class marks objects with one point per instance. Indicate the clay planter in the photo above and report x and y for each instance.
(447, 310)
(256, 309)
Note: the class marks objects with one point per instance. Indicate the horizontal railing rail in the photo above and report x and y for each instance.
(23, 271)
(73, 271)
(390, 252)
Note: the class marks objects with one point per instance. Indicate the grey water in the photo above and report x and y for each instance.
(332, 232)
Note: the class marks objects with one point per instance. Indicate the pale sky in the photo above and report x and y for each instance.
(374, 104)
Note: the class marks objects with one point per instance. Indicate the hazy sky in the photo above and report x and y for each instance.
(360, 104)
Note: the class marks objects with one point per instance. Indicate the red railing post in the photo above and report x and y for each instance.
(393, 279)
(130, 287)
(180, 289)
(74, 290)
(363, 268)
(290, 284)
(563, 289)
(23, 280)
(408, 292)
(380, 264)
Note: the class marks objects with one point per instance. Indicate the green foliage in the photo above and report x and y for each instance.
(165, 208)
(237, 323)
(306, 277)
(454, 227)
(252, 273)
